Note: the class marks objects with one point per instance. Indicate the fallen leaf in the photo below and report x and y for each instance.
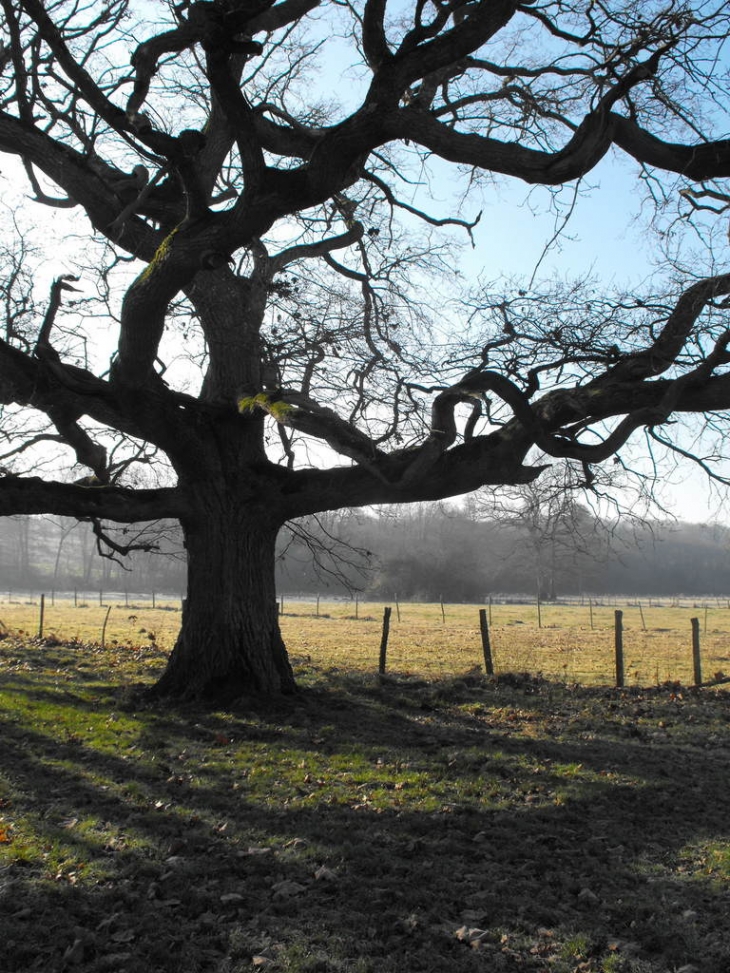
(75, 953)
(296, 843)
(324, 874)
(287, 889)
(466, 935)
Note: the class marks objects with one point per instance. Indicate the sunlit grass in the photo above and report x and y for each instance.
(574, 643)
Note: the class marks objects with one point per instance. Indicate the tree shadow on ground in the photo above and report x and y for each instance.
(365, 827)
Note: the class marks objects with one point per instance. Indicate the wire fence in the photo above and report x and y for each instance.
(683, 640)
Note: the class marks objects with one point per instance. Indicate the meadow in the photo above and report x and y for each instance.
(570, 642)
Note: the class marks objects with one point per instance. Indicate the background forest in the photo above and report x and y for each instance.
(421, 552)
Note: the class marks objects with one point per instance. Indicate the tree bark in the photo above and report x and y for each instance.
(230, 644)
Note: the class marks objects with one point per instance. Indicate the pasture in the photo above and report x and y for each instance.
(573, 643)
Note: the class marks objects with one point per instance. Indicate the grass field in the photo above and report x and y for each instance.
(426, 642)
(407, 826)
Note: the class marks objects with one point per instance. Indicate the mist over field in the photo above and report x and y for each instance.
(420, 553)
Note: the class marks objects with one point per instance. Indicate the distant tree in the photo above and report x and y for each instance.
(556, 540)
(671, 559)
(275, 240)
(428, 551)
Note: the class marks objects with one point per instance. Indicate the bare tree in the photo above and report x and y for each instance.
(277, 234)
(555, 537)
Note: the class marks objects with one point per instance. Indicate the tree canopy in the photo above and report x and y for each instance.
(250, 219)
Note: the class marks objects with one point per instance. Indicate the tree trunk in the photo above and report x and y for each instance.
(229, 644)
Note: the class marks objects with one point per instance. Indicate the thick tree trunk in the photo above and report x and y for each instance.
(229, 644)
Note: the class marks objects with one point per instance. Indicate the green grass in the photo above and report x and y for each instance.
(412, 825)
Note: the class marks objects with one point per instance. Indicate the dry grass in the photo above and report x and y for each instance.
(574, 643)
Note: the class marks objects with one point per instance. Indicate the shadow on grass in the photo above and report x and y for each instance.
(363, 827)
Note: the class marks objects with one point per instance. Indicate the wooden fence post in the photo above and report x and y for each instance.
(641, 612)
(619, 643)
(103, 627)
(590, 609)
(486, 646)
(539, 613)
(42, 613)
(384, 639)
(696, 657)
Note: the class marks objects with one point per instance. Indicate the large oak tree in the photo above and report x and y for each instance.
(266, 222)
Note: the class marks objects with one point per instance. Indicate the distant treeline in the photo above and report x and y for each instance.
(422, 552)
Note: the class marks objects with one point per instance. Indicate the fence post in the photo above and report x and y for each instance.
(641, 612)
(397, 607)
(539, 613)
(103, 627)
(590, 609)
(696, 657)
(484, 628)
(42, 613)
(384, 639)
(619, 641)
(443, 611)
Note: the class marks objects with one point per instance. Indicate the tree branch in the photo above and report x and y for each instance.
(704, 160)
(300, 412)
(102, 538)
(32, 495)
(672, 338)
(432, 220)
(43, 348)
(319, 249)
